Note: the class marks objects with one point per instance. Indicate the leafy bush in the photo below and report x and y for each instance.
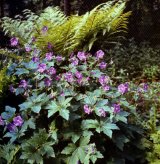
(139, 63)
(69, 104)
(148, 114)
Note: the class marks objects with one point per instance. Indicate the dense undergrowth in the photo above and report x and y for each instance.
(60, 103)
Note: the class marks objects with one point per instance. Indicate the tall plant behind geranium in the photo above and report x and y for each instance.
(105, 22)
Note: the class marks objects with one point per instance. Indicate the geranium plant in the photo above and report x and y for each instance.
(69, 103)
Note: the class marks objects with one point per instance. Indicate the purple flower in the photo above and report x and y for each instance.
(47, 82)
(99, 54)
(78, 75)
(103, 65)
(49, 45)
(49, 56)
(59, 58)
(103, 80)
(69, 77)
(93, 149)
(36, 51)
(139, 90)
(102, 112)
(23, 84)
(106, 88)
(74, 61)
(123, 88)
(1, 121)
(81, 56)
(44, 29)
(33, 39)
(62, 94)
(14, 41)
(11, 127)
(116, 108)
(80, 81)
(52, 71)
(42, 67)
(35, 59)
(18, 121)
(58, 78)
(28, 48)
(11, 88)
(145, 87)
(87, 109)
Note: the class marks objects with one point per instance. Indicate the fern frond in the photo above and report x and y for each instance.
(106, 21)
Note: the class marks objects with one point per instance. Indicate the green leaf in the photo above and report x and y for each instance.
(90, 100)
(34, 148)
(66, 102)
(74, 158)
(52, 108)
(108, 127)
(64, 113)
(122, 116)
(81, 154)
(9, 112)
(102, 103)
(53, 131)
(36, 109)
(25, 105)
(28, 123)
(120, 140)
(49, 151)
(69, 149)
(84, 141)
(90, 124)
(75, 137)
(21, 71)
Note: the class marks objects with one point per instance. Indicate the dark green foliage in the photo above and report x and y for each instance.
(139, 63)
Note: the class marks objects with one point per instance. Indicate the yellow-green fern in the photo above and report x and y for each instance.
(106, 21)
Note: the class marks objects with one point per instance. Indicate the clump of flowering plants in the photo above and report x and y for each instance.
(71, 109)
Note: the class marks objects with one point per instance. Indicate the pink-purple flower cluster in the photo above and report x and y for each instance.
(69, 77)
(16, 122)
(123, 88)
(59, 58)
(44, 29)
(14, 41)
(99, 54)
(74, 61)
(28, 48)
(35, 59)
(49, 56)
(23, 84)
(87, 109)
(116, 108)
(11, 88)
(103, 65)
(81, 56)
(102, 112)
(47, 82)
(52, 71)
(42, 67)
(104, 80)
